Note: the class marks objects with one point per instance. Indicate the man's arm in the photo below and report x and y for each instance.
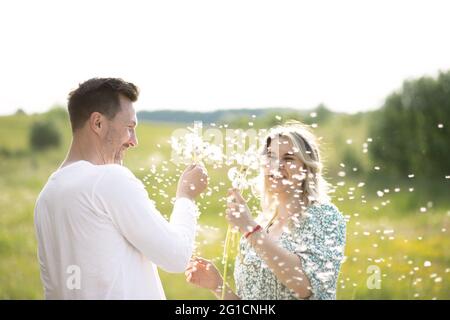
(167, 244)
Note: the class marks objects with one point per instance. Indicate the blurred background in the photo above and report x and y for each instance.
(372, 80)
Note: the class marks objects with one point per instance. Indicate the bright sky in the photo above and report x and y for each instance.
(204, 55)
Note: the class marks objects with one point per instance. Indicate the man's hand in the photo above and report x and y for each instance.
(193, 181)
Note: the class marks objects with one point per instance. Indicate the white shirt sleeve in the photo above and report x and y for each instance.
(123, 198)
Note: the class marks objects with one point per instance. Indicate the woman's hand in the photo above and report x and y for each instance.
(237, 213)
(204, 274)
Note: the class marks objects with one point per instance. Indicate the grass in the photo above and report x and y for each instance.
(389, 231)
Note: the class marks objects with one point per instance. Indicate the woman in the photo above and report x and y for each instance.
(298, 253)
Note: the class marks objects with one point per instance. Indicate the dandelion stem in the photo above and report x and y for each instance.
(230, 237)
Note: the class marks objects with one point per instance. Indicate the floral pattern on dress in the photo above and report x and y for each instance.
(318, 238)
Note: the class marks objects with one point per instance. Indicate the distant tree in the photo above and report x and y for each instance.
(20, 112)
(322, 113)
(44, 135)
(410, 132)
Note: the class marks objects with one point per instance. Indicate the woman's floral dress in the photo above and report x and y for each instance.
(318, 238)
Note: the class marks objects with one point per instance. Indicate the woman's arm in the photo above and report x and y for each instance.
(285, 265)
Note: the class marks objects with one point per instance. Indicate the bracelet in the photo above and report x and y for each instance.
(256, 228)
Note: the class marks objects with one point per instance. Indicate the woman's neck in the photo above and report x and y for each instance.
(287, 209)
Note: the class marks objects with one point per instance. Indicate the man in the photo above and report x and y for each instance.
(99, 235)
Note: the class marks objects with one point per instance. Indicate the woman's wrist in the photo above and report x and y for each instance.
(249, 226)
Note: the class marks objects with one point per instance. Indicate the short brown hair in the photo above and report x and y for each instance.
(98, 95)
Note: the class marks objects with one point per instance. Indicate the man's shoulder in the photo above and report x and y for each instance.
(116, 175)
(116, 169)
(117, 184)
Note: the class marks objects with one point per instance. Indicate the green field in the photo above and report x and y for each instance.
(405, 232)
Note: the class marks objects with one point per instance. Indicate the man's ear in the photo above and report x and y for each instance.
(97, 122)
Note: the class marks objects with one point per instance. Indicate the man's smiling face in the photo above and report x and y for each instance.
(121, 132)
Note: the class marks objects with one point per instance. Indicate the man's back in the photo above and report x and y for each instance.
(92, 224)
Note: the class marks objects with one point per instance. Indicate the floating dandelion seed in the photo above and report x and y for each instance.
(191, 148)
(427, 264)
(440, 125)
(423, 209)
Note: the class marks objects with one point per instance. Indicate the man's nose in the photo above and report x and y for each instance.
(133, 141)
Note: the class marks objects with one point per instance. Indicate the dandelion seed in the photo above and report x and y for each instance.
(349, 141)
(411, 175)
(313, 114)
(423, 209)
(314, 125)
(376, 168)
(361, 184)
(427, 264)
(440, 125)
(380, 193)
(411, 189)
(278, 117)
(341, 174)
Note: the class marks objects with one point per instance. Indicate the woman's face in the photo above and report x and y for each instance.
(283, 170)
